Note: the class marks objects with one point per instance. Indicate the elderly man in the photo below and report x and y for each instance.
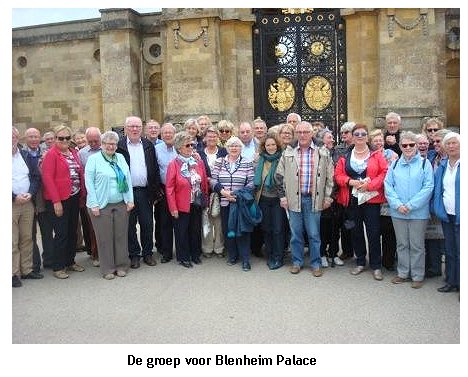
(141, 158)
(247, 137)
(260, 130)
(93, 140)
(165, 153)
(49, 139)
(392, 132)
(305, 182)
(152, 130)
(32, 147)
(25, 183)
(293, 119)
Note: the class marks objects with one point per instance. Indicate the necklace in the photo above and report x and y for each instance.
(361, 152)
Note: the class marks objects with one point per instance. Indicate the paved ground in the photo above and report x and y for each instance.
(216, 303)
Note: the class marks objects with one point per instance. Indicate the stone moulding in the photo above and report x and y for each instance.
(203, 33)
(393, 19)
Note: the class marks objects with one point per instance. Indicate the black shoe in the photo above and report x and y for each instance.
(231, 262)
(245, 266)
(448, 288)
(165, 259)
(196, 260)
(186, 264)
(32, 275)
(135, 262)
(149, 260)
(16, 282)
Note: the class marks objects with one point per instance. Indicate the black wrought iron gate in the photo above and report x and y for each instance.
(300, 65)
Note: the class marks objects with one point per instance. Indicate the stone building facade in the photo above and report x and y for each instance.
(184, 62)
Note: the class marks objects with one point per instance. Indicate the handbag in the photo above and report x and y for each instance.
(199, 200)
(214, 208)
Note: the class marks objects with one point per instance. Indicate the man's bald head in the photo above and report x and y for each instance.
(93, 137)
(33, 138)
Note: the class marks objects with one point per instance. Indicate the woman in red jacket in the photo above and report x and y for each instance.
(186, 183)
(360, 174)
(64, 191)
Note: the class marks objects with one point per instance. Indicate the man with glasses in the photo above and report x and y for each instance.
(392, 132)
(152, 130)
(305, 182)
(141, 158)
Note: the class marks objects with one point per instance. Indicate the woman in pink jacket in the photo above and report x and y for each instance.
(186, 188)
(64, 192)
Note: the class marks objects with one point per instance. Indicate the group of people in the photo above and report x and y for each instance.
(227, 191)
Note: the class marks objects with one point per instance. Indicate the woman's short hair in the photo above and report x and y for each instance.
(441, 133)
(262, 149)
(408, 135)
(450, 135)
(233, 140)
(360, 126)
(109, 135)
(62, 127)
(437, 121)
(212, 129)
(224, 124)
(181, 138)
(375, 133)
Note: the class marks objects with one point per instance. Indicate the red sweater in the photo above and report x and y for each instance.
(178, 188)
(56, 176)
(376, 170)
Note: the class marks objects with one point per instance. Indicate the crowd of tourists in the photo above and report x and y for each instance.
(290, 194)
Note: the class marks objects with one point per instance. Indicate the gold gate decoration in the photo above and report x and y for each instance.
(318, 93)
(281, 94)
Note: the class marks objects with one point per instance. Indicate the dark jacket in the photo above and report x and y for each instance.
(395, 147)
(244, 213)
(152, 167)
(437, 202)
(34, 175)
(222, 152)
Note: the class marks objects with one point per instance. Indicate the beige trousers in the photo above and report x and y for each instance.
(22, 245)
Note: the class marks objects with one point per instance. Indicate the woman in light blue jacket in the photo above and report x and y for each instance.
(109, 200)
(408, 188)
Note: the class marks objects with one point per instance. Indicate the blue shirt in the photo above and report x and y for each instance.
(164, 154)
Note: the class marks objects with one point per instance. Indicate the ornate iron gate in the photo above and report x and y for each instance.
(300, 66)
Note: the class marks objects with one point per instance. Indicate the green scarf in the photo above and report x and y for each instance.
(121, 179)
(269, 179)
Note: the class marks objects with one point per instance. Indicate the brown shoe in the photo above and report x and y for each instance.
(399, 280)
(317, 272)
(75, 267)
(60, 274)
(149, 260)
(417, 284)
(294, 269)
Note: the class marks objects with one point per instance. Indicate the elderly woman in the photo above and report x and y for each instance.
(408, 188)
(360, 174)
(430, 127)
(268, 198)
(64, 189)
(109, 200)
(193, 129)
(213, 240)
(226, 130)
(286, 135)
(446, 206)
(376, 141)
(186, 184)
(230, 174)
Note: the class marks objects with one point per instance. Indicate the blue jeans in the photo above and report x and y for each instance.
(452, 251)
(237, 247)
(310, 221)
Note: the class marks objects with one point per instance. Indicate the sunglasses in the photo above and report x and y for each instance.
(62, 138)
(411, 145)
(191, 145)
(224, 131)
(360, 134)
(432, 130)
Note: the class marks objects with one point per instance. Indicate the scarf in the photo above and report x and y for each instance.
(273, 158)
(121, 179)
(187, 163)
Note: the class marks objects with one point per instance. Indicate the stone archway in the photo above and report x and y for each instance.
(452, 92)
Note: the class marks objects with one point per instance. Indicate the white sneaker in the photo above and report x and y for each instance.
(324, 262)
(338, 261)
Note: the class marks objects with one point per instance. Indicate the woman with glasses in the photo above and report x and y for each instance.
(230, 174)
(286, 135)
(408, 188)
(430, 127)
(64, 192)
(359, 175)
(186, 188)
(226, 130)
(109, 200)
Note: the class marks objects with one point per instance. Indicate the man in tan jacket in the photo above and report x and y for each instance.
(305, 182)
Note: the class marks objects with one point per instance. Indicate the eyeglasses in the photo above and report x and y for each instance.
(191, 145)
(224, 131)
(286, 133)
(436, 141)
(62, 138)
(303, 132)
(234, 146)
(344, 132)
(111, 144)
(432, 129)
(411, 145)
(359, 134)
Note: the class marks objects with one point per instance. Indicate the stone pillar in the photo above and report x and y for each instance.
(411, 72)
(120, 65)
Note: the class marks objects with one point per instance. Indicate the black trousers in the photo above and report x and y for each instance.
(143, 213)
(187, 231)
(47, 237)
